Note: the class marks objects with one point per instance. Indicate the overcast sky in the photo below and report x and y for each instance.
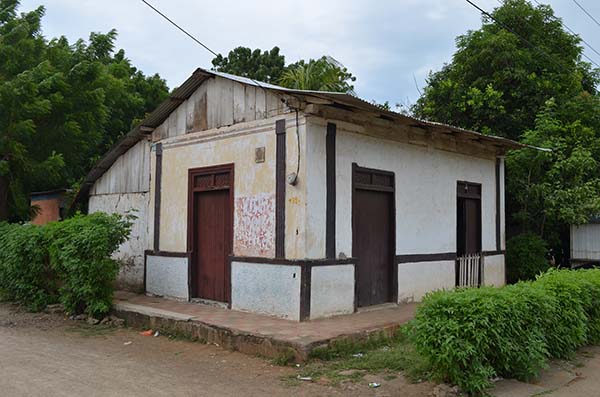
(383, 43)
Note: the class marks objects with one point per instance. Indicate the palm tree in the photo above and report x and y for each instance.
(323, 74)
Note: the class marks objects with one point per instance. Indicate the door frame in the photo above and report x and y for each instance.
(463, 192)
(392, 191)
(191, 231)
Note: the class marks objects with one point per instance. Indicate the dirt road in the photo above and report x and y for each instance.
(48, 355)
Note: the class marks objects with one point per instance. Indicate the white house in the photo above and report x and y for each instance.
(301, 204)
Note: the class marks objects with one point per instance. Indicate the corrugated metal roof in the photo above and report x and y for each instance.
(183, 92)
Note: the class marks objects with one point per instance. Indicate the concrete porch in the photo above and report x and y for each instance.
(253, 333)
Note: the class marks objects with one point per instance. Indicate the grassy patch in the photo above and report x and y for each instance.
(285, 358)
(352, 360)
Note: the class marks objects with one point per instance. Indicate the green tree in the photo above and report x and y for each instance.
(561, 187)
(497, 82)
(260, 65)
(61, 105)
(323, 74)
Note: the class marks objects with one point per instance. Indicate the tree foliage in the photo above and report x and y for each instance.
(260, 65)
(533, 87)
(62, 105)
(323, 74)
(498, 81)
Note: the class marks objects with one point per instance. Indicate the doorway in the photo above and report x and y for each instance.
(210, 232)
(468, 234)
(373, 242)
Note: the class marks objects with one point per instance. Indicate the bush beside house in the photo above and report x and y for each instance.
(470, 336)
(68, 262)
(525, 257)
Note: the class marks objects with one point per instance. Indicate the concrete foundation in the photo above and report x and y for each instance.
(167, 276)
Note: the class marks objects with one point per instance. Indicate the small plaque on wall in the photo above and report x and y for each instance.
(259, 154)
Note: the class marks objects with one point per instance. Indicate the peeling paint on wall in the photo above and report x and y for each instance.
(254, 228)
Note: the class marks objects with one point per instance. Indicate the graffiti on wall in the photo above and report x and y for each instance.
(254, 226)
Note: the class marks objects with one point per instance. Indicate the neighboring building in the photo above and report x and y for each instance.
(585, 243)
(301, 204)
(49, 206)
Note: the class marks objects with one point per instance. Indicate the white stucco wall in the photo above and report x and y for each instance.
(316, 190)
(167, 276)
(131, 253)
(417, 279)
(494, 270)
(266, 288)
(425, 191)
(254, 185)
(332, 290)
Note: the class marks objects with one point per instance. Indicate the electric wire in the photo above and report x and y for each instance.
(533, 46)
(501, 2)
(191, 36)
(586, 12)
(575, 33)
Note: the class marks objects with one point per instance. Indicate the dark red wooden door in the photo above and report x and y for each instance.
(211, 238)
(212, 244)
(373, 246)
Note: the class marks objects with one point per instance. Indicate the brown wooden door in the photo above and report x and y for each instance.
(468, 218)
(212, 233)
(373, 245)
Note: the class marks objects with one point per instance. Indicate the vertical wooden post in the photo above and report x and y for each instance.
(157, 195)
(331, 191)
(280, 185)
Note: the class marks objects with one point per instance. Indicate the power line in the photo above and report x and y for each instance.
(586, 12)
(573, 32)
(515, 33)
(570, 30)
(192, 37)
(179, 27)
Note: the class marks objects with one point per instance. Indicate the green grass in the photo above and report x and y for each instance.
(285, 358)
(352, 360)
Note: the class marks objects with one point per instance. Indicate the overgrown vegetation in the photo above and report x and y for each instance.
(469, 336)
(525, 257)
(351, 360)
(68, 262)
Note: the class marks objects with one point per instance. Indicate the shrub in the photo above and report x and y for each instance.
(471, 335)
(67, 261)
(80, 250)
(525, 257)
(25, 272)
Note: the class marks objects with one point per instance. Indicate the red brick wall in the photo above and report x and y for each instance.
(49, 210)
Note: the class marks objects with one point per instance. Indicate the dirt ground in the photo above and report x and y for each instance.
(50, 355)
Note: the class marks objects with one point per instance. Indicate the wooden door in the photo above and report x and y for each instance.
(373, 237)
(211, 236)
(468, 218)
